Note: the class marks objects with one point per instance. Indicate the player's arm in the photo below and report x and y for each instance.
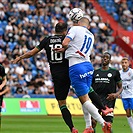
(120, 89)
(118, 80)
(113, 96)
(4, 81)
(66, 42)
(31, 52)
(26, 55)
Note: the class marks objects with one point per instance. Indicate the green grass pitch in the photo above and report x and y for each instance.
(54, 124)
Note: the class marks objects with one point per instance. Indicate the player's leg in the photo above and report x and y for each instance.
(61, 89)
(94, 123)
(66, 114)
(87, 118)
(94, 113)
(128, 106)
(98, 103)
(81, 79)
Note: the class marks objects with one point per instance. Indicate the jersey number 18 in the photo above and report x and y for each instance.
(54, 55)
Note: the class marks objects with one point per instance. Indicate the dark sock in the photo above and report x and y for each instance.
(67, 116)
(94, 130)
(96, 100)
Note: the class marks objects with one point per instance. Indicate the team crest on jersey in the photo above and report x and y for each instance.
(109, 75)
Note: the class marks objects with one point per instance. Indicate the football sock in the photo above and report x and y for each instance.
(87, 117)
(67, 116)
(94, 112)
(96, 100)
(130, 121)
(94, 130)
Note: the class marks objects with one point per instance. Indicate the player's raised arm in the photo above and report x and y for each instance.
(26, 55)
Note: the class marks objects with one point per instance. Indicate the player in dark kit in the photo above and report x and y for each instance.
(58, 67)
(105, 83)
(3, 81)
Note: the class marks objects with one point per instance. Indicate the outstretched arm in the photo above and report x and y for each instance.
(26, 55)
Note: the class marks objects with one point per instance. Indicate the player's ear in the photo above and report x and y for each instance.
(88, 27)
(78, 23)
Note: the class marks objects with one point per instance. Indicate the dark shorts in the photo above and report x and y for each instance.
(61, 84)
(108, 118)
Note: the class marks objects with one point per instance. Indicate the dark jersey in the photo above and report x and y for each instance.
(2, 75)
(105, 82)
(56, 60)
(58, 65)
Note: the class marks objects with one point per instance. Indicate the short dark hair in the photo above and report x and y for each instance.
(60, 27)
(106, 52)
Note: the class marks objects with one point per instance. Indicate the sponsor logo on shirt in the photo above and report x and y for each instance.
(102, 80)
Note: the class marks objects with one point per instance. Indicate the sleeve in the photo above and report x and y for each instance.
(71, 33)
(42, 44)
(118, 77)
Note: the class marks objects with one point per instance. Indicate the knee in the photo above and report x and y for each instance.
(61, 102)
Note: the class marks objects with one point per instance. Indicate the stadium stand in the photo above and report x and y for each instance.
(23, 23)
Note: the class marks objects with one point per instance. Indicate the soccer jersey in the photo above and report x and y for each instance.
(58, 65)
(104, 82)
(127, 83)
(81, 44)
(56, 60)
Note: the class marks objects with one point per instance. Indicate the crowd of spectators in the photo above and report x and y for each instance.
(23, 23)
(121, 10)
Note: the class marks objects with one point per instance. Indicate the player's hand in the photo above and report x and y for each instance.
(111, 96)
(16, 60)
(59, 50)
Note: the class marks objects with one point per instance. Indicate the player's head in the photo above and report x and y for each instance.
(106, 58)
(125, 63)
(83, 22)
(61, 28)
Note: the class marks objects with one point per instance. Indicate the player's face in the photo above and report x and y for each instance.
(125, 64)
(105, 59)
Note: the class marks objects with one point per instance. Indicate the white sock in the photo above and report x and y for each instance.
(94, 112)
(130, 122)
(87, 117)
